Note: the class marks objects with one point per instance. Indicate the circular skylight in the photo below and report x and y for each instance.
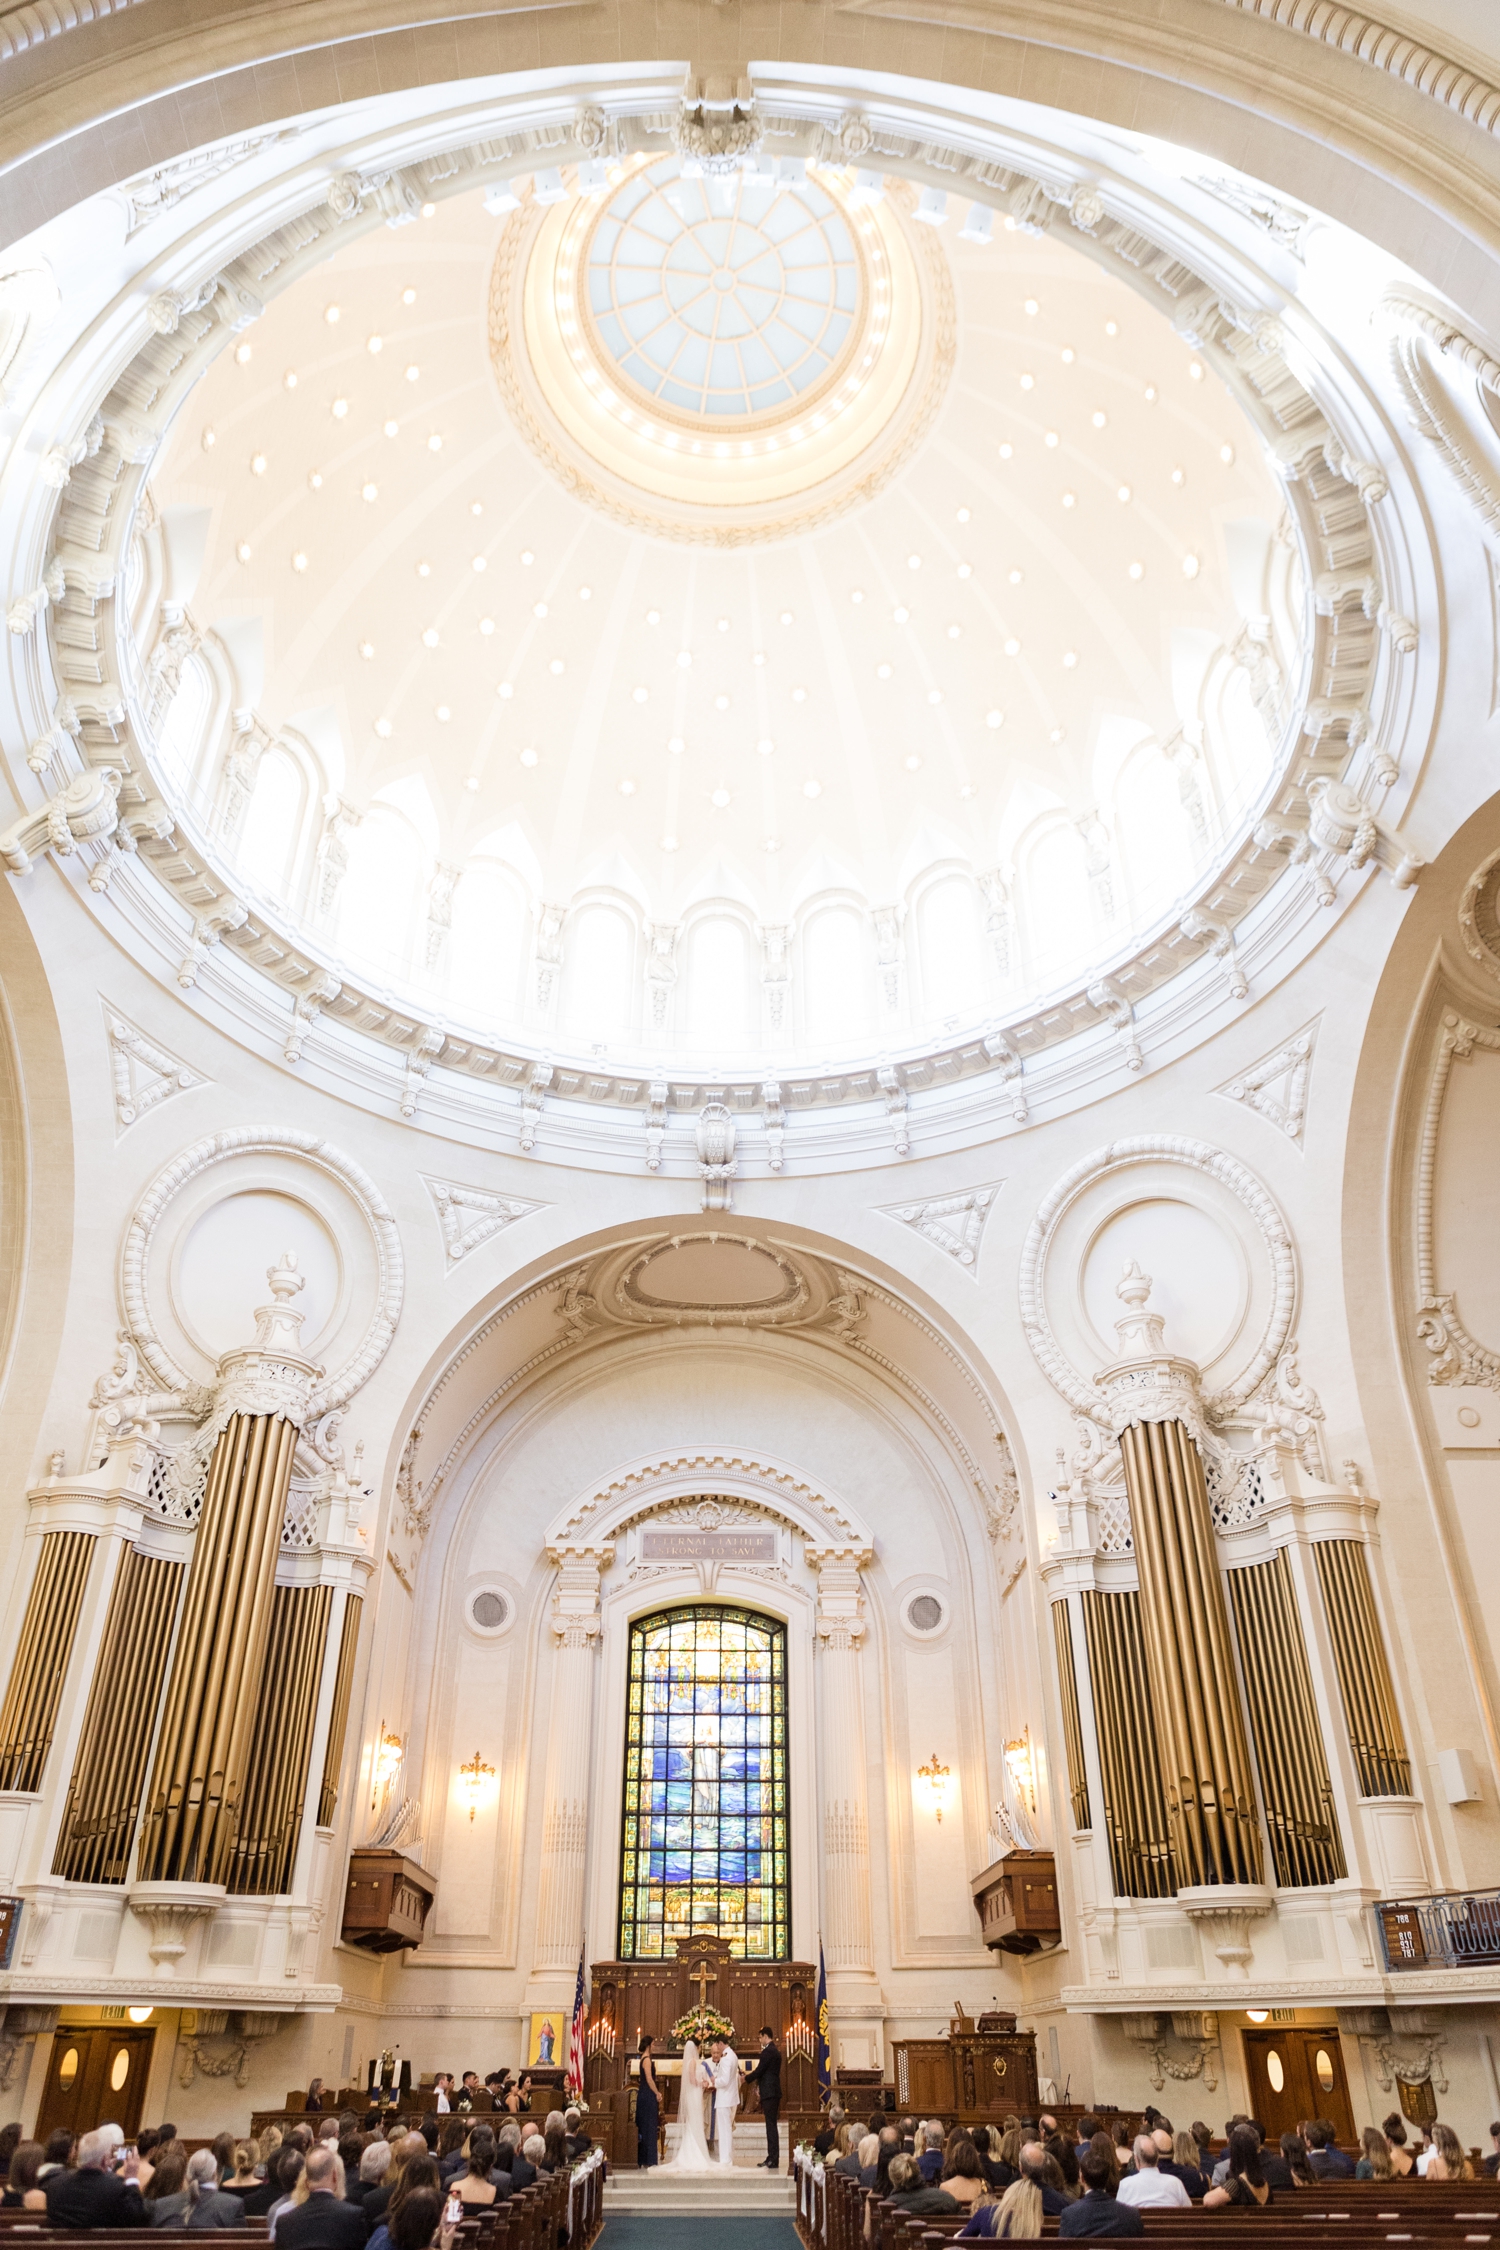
(724, 296)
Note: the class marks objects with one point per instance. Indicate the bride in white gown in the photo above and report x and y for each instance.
(693, 2153)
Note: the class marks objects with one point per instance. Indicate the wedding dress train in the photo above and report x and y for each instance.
(693, 2152)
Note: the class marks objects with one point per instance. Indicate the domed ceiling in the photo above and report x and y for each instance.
(716, 614)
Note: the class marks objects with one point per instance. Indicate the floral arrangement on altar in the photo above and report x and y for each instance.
(703, 2024)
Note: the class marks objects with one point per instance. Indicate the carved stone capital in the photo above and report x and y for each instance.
(841, 1600)
(576, 1619)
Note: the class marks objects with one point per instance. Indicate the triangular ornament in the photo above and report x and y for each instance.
(1276, 1087)
(470, 1216)
(143, 1073)
(954, 1224)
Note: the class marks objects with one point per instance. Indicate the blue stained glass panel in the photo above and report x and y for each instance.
(705, 1817)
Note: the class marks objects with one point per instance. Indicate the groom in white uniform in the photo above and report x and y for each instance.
(726, 2077)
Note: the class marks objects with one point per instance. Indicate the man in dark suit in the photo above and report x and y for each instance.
(1325, 2158)
(325, 2221)
(91, 2196)
(1098, 2211)
(766, 2072)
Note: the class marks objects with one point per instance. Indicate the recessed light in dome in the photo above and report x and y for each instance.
(1226, 455)
(1016, 576)
(723, 624)
(242, 355)
(408, 296)
(913, 562)
(786, 617)
(1190, 566)
(429, 210)
(653, 616)
(994, 718)
(1149, 394)
(383, 729)
(528, 756)
(424, 570)
(965, 570)
(812, 788)
(413, 372)
(476, 507)
(935, 695)
(289, 379)
(1050, 438)
(486, 626)
(1032, 307)
(799, 695)
(1057, 734)
(374, 345)
(1099, 418)
(1013, 646)
(527, 557)
(1070, 659)
(759, 656)
(332, 314)
(430, 636)
(1179, 476)
(882, 671)
(210, 437)
(339, 409)
(392, 429)
(1006, 451)
(367, 650)
(479, 562)
(639, 695)
(1068, 355)
(505, 691)
(434, 443)
(539, 609)
(954, 631)
(1111, 328)
(1195, 370)
(771, 844)
(857, 595)
(677, 745)
(900, 615)
(299, 560)
(585, 593)
(627, 788)
(444, 712)
(764, 747)
(721, 703)
(472, 783)
(1028, 382)
(669, 843)
(257, 464)
(243, 550)
(914, 764)
(1123, 493)
(315, 480)
(963, 515)
(1070, 499)
(967, 789)
(1136, 570)
(684, 659)
(369, 492)
(556, 666)
(720, 798)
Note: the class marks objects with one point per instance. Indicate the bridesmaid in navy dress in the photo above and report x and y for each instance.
(647, 2109)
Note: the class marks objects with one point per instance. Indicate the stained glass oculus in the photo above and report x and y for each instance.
(724, 297)
(705, 1829)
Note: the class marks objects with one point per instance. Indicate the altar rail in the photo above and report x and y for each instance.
(1452, 1930)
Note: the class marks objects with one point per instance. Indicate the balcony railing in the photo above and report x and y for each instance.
(1453, 1930)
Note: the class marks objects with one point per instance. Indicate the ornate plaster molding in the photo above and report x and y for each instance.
(659, 1481)
(1080, 1390)
(954, 1224)
(1457, 1357)
(336, 1389)
(1424, 336)
(143, 1073)
(1395, 53)
(41, 20)
(470, 1217)
(1276, 1086)
(1479, 915)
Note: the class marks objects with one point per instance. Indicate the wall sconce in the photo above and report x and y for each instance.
(389, 1751)
(472, 1779)
(140, 2015)
(1022, 1769)
(935, 1778)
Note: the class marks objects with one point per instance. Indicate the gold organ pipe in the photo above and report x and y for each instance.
(1067, 1680)
(29, 1712)
(1296, 1794)
(276, 1775)
(105, 1792)
(338, 1717)
(1376, 1735)
(1189, 1659)
(193, 1805)
(1135, 1804)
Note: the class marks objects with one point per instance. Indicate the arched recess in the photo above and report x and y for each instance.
(36, 1196)
(617, 1388)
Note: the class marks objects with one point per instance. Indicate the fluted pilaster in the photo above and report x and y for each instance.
(847, 1926)
(565, 1792)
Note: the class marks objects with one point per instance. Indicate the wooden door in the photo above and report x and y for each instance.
(97, 2076)
(1297, 2072)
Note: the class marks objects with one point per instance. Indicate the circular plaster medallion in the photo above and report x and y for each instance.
(1479, 915)
(721, 360)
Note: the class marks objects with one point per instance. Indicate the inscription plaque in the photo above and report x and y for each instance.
(708, 1546)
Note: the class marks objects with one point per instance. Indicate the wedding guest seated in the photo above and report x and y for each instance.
(451, 2158)
(419, 2174)
(22, 2186)
(533, 2151)
(579, 2142)
(258, 2203)
(323, 2220)
(1294, 2157)
(167, 2197)
(907, 2128)
(1183, 2163)
(58, 2151)
(930, 2160)
(416, 2224)
(1245, 2185)
(869, 2157)
(1490, 2164)
(1087, 2128)
(92, 2196)
(1375, 2157)
(824, 2140)
(243, 2178)
(963, 2174)
(1041, 2169)
(1148, 2187)
(1403, 2163)
(909, 2192)
(1327, 2159)
(1099, 2210)
(476, 2190)
(1448, 2160)
(209, 2205)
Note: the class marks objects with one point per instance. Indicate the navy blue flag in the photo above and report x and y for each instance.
(820, 2052)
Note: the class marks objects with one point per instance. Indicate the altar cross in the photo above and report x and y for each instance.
(701, 1978)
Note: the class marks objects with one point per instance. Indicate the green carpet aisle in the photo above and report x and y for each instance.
(710, 2232)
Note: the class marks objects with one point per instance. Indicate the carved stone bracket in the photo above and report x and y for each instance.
(1226, 1913)
(170, 1910)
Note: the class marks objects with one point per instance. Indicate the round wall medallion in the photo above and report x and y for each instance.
(924, 1614)
(724, 359)
(488, 1611)
(711, 1277)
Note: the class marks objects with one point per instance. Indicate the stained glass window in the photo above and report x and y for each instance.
(705, 1832)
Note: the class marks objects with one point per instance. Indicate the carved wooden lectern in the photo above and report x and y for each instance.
(983, 2068)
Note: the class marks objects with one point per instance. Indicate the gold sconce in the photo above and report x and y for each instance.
(472, 1779)
(935, 1779)
(389, 1751)
(1022, 1768)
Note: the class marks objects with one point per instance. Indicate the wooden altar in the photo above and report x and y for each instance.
(982, 2069)
(630, 1998)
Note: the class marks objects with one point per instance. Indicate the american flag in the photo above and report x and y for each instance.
(577, 2033)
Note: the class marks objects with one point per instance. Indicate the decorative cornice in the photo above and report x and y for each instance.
(41, 20)
(1456, 1356)
(1395, 53)
(647, 1485)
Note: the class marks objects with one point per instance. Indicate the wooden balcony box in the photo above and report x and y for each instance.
(1016, 1901)
(388, 1901)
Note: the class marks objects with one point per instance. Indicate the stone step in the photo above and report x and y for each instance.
(690, 2194)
